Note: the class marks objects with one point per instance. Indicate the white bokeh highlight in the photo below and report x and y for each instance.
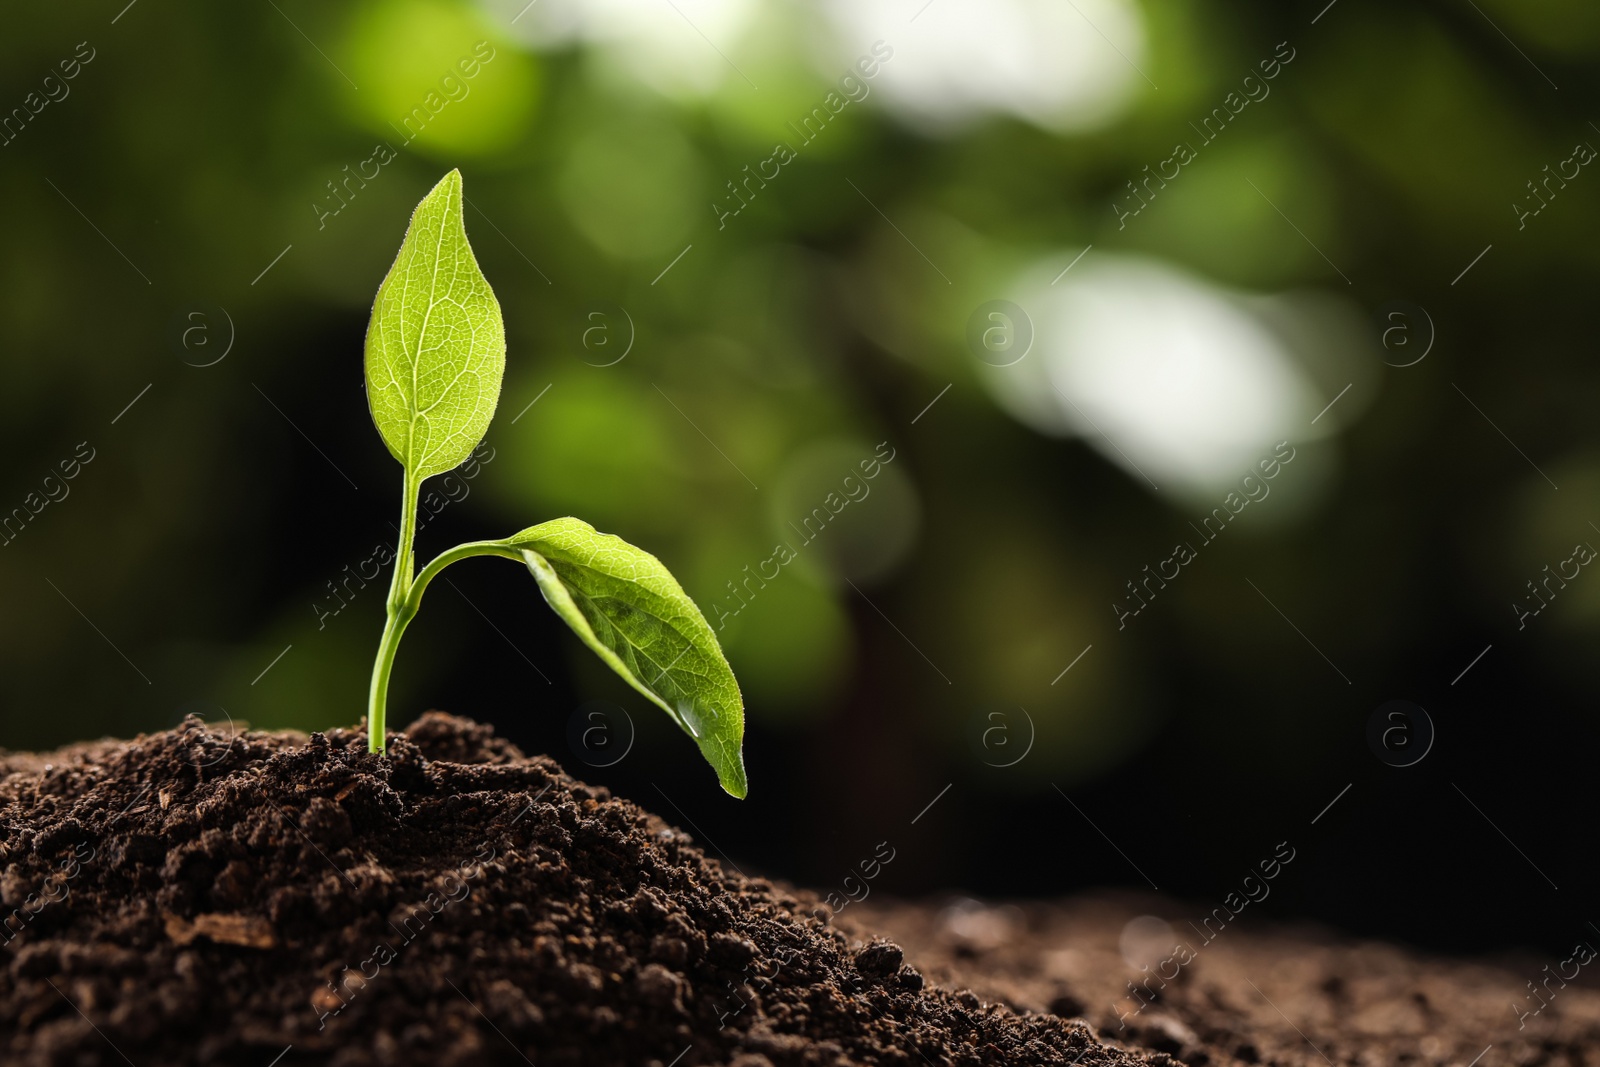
(679, 48)
(1182, 382)
(1065, 65)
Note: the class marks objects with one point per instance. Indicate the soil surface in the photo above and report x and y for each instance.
(194, 897)
(276, 899)
(1288, 996)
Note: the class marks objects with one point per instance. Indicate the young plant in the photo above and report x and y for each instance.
(435, 354)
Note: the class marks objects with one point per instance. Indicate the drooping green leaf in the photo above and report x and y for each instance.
(629, 609)
(436, 345)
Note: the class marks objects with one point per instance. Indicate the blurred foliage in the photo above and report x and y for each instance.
(202, 161)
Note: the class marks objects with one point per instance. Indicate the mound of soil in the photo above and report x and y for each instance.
(273, 899)
(1288, 996)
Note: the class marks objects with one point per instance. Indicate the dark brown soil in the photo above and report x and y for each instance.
(192, 897)
(1292, 997)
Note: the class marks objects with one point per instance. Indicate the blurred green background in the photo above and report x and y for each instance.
(707, 335)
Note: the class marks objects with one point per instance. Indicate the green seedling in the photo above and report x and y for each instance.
(435, 354)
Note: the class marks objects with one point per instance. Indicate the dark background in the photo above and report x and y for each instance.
(823, 319)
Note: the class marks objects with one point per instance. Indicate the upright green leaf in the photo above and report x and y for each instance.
(436, 346)
(627, 607)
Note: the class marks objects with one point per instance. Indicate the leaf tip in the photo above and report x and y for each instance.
(448, 187)
(732, 776)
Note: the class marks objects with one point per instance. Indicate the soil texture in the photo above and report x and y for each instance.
(1252, 994)
(195, 897)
